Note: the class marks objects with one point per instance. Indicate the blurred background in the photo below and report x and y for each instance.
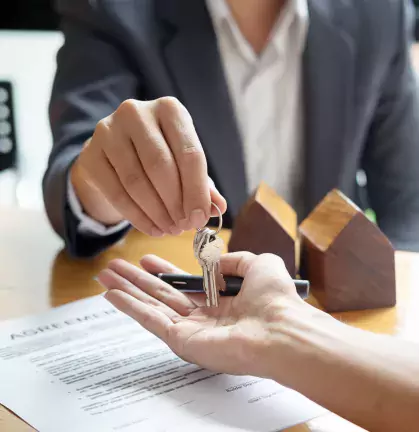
(29, 40)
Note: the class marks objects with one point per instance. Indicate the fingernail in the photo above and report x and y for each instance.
(197, 218)
(184, 224)
(174, 230)
(155, 232)
(96, 279)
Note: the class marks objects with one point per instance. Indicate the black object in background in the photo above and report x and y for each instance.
(28, 15)
(8, 146)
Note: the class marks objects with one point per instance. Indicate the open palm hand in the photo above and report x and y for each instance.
(226, 339)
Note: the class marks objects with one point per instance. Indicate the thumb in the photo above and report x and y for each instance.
(271, 266)
(237, 263)
(268, 271)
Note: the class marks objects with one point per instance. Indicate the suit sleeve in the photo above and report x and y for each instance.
(93, 77)
(391, 158)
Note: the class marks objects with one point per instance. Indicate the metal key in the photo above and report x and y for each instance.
(210, 256)
(201, 238)
(208, 249)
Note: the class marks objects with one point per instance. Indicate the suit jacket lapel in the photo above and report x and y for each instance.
(193, 61)
(328, 81)
(195, 67)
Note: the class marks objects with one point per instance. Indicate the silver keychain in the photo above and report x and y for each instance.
(208, 248)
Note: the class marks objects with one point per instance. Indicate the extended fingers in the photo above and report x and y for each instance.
(143, 281)
(155, 264)
(158, 323)
(151, 318)
(113, 281)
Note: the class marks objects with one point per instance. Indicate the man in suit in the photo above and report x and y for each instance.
(155, 99)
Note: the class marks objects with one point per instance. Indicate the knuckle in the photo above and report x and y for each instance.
(170, 105)
(102, 129)
(169, 102)
(128, 107)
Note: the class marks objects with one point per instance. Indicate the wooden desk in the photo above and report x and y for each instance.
(36, 275)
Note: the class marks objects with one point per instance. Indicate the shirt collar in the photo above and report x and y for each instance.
(218, 10)
(295, 15)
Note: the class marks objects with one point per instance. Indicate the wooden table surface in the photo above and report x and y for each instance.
(35, 275)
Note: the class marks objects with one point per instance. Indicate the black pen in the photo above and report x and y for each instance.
(193, 284)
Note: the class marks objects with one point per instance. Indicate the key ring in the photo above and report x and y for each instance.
(220, 220)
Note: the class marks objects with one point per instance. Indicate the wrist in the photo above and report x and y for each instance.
(297, 333)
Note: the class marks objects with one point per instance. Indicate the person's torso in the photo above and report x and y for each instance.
(173, 48)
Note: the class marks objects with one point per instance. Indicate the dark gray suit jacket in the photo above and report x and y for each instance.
(361, 100)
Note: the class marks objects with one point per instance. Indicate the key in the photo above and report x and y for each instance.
(201, 238)
(208, 248)
(209, 255)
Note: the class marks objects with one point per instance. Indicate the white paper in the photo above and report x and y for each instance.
(87, 367)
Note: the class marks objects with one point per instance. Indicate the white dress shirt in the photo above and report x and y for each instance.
(266, 92)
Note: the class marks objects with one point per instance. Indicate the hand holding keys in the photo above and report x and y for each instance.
(208, 248)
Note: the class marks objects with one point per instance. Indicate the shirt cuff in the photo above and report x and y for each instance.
(87, 225)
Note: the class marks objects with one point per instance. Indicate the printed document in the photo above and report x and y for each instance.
(87, 367)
